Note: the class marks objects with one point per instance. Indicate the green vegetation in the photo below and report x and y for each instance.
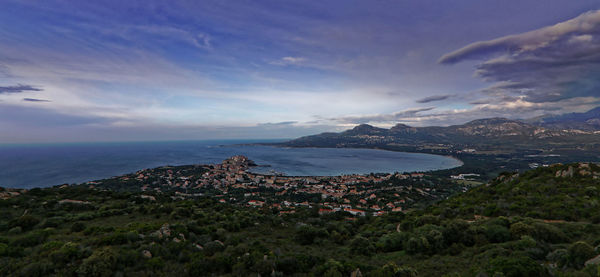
(540, 223)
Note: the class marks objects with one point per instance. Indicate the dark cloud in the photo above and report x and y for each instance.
(576, 31)
(434, 98)
(552, 64)
(481, 102)
(35, 100)
(18, 88)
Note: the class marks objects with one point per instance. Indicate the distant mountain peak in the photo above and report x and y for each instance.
(366, 129)
(400, 126)
(364, 126)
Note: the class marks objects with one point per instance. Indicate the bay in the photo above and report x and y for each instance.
(43, 165)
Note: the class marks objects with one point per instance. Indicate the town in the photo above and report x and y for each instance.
(233, 182)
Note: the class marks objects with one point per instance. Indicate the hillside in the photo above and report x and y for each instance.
(558, 192)
(540, 223)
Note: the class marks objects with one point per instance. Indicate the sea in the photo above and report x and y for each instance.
(44, 165)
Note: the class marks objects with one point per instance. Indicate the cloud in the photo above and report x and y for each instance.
(381, 118)
(289, 61)
(577, 30)
(547, 67)
(18, 89)
(283, 123)
(434, 98)
(513, 108)
(37, 116)
(35, 100)
(35, 123)
(197, 39)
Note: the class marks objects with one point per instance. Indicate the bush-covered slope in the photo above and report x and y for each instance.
(560, 192)
(503, 229)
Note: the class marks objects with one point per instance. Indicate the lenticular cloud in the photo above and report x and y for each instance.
(551, 64)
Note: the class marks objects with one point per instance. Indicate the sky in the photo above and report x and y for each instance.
(169, 70)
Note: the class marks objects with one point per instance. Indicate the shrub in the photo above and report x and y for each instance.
(559, 256)
(10, 251)
(296, 264)
(213, 247)
(455, 248)
(306, 234)
(263, 267)
(113, 239)
(52, 245)
(427, 219)
(454, 231)
(391, 242)
(579, 253)
(331, 268)
(3, 249)
(391, 269)
(433, 238)
(548, 233)
(101, 263)
(41, 268)
(77, 227)
(15, 230)
(520, 229)
(497, 233)
(31, 239)
(155, 263)
(515, 266)
(52, 222)
(67, 252)
(362, 246)
(416, 244)
(26, 222)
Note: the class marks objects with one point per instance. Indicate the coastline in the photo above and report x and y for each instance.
(69, 170)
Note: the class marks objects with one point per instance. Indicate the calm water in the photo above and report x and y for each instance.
(26, 166)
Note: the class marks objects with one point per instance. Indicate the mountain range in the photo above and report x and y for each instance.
(589, 121)
(555, 129)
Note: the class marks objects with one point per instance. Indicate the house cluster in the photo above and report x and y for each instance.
(232, 181)
(464, 176)
(6, 193)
